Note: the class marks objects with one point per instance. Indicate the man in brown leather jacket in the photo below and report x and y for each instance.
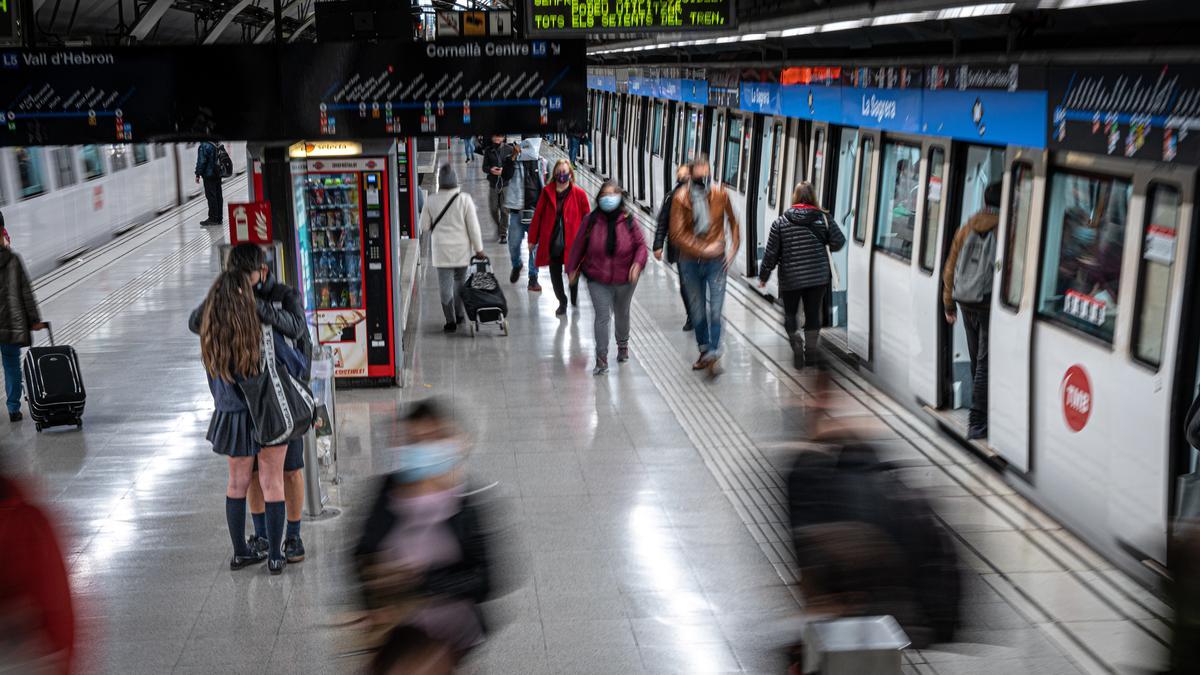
(18, 317)
(699, 216)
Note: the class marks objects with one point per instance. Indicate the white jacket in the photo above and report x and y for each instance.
(456, 238)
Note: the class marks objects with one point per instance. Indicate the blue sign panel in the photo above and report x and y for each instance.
(887, 109)
(602, 82)
(998, 117)
(812, 102)
(760, 97)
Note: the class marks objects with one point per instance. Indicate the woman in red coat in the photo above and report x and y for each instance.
(560, 209)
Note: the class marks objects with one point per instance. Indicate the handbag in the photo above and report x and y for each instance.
(281, 407)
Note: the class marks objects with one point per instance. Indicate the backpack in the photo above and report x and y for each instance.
(973, 272)
(224, 164)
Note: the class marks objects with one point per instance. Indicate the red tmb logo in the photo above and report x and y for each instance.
(1076, 391)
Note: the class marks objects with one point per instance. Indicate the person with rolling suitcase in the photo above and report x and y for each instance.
(19, 316)
(482, 297)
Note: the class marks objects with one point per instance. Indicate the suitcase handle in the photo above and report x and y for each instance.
(49, 331)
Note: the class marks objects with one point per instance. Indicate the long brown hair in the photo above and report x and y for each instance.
(230, 331)
(805, 193)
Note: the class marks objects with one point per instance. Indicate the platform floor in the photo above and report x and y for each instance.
(646, 506)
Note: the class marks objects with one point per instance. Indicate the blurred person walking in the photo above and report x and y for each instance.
(19, 317)
(423, 558)
(699, 216)
(454, 237)
(560, 209)
(682, 176)
(799, 244)
(231, 344)
(610, 251)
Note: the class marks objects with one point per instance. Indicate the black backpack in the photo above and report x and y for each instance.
(224, 164)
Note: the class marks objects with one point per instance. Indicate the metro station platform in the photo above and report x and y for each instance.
(647, 505)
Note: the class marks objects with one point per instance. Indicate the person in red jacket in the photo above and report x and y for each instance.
(560, 209)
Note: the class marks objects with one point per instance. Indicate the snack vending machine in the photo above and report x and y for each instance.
(345, 263)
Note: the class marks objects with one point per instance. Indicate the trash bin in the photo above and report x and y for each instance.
(854, 646)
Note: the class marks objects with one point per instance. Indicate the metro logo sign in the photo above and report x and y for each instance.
(250, 223)
(1076, 398)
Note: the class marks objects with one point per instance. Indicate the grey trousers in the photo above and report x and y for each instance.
(450, 281)
(494, 211)
(608, 301)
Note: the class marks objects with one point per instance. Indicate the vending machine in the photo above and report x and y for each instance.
(344, 260)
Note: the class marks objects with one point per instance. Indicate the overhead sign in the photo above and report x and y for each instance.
(577, 17)
(250, 223)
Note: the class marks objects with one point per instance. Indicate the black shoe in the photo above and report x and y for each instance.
(293, 549)
(977, 432)
(503, 239)
(562, 310)
(15, 416)
(450, 327)
(276, 566)
(515, 275)
(687, 326)
(622, 353)
(460, 320)
(258, 544)
(237, 562)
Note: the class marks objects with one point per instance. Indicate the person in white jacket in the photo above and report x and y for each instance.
(449, 217)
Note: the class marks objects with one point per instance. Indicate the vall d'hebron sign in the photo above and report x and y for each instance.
(568, 17)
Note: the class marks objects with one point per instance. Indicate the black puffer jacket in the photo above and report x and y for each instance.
(663, 227)
(18, 308)
(797, 246)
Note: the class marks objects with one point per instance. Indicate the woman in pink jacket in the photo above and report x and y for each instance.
(610, 252)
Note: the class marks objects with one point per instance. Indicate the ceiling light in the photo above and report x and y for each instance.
(1076, 4)
(727, 39)
(705, 41)
(906, 17)
(968, 11)
(753, 37)
(802, 30)
(843, 25)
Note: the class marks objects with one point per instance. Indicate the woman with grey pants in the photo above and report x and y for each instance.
(611, 252)
(449, 218)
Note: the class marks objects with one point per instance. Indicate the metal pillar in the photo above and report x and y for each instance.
(278, 21)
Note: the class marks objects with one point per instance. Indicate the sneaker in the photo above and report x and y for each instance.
(258, 544)
(450, 327)
(276, 566)
(293, 549)
(515, 274)
(976, 433)
(562, 310)
(503, 239)
(15, 416)
(534, 287)
(238, 562)
(687, 326)
(622, 353)
(601, 365)
(460, 320)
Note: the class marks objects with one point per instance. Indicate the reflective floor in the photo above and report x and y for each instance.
(644, 507)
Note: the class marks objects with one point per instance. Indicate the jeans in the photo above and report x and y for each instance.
(556, 280)
(975, 323)
(518, 232)
(468, 147)
(608, 301)
(450, 281)
(811, 298)
(11, 355)
(573, 149)
(212, 192)
(705, 284)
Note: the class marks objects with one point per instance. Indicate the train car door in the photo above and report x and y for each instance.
(716, 140)
(926, 282)
(860, 242)
(1010, 332)
(768, 206)
(655, 157)
(641, 154)
(839, 202)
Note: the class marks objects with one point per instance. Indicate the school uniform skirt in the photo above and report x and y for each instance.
(232, 434)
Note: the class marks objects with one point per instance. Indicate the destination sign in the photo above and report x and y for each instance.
(569, 17)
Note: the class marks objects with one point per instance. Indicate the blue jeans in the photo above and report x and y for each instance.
(11, 355)
(518, 232)
(468, 146)
(704, 281)
(573, 149)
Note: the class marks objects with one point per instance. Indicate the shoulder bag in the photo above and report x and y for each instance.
(281, 407)
(444, 210)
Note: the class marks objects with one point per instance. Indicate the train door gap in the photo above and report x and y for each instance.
(972, 169)
(839, 162)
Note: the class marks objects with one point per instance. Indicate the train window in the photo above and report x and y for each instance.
(93, 167)
(1154, 288)
(119, 160)
(140, 156)
(64, 165)
(865, 169)
(614, 117)
(733, 152)
(898, 198)
(933, 207)
(656, 134)
(1020, 210)
(29, 171)
(160, 151)
(818, 163)
(773, 166)
(1081, 263)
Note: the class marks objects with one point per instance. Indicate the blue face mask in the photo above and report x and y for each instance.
(609, 203)
(426, 459)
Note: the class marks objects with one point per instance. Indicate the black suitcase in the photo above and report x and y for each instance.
(54, 385)
(483, 298)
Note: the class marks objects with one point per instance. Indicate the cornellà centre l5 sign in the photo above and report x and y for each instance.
(561, 18)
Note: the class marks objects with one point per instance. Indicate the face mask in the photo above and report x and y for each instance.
(609, 203)
(564, 177)
(426, 459)
(701, 182)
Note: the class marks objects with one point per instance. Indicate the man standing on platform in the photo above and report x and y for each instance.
(494, 154)
(208, 170)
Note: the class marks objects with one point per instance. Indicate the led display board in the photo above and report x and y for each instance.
(561, 18)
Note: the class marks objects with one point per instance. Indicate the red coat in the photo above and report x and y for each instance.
(542, 225)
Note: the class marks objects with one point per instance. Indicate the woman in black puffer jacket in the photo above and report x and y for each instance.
(797, 245)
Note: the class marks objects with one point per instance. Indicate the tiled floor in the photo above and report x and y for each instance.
(643, 508)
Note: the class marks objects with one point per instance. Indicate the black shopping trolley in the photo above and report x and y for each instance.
(482, 297)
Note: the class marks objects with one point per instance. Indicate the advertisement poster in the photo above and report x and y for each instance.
(345, 331)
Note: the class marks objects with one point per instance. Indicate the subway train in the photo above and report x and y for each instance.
(60, 201)
(1093, 352)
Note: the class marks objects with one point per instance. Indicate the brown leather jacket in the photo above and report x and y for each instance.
(681, 230)
(18, 308)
